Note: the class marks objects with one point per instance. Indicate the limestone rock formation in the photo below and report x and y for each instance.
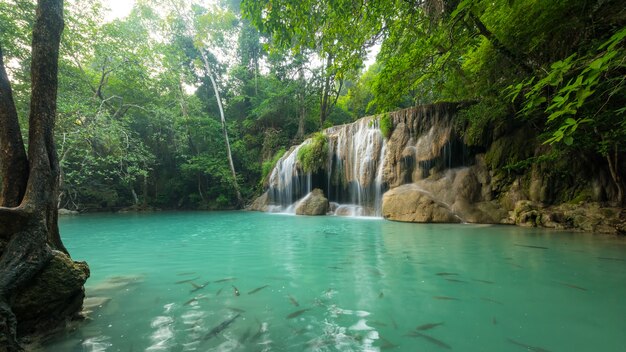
(261, 203)
(433, 172)
(313, 204)
(412, 204)
(588, 217)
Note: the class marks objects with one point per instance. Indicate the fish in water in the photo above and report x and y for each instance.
(334, 267)
(490, 300)
(375, 272)
(377, 324)
(386, 344)
(258, 333)
(445, 298)
(235, 290)
(428, 326)
(446, 274)
(186, 273)
(393, 322)
(529, 246)
(245, 336)
(455, 280)
(297, 313)
(381, 295)
(257, 289)
(494, 321)
(293, 301)
(186, 281)
(219, 291)
(223, 325)
(237, 310)
(430, 339)
(190, 301)
(198, 287)
(615, 259)
(573, 286)
(226, 279)
(527, 347)
(484, 281)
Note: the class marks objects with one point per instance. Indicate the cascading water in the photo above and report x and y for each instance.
(361, 164)
(352, 177)
(358, 151)
(289, 182)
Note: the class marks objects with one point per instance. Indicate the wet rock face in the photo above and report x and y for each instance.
(261, 203)
(588, 217)
(56, 293)
(313, 204)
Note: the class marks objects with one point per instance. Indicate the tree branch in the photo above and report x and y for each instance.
(497, 44)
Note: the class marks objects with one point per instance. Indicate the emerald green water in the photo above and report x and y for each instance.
(365, 284)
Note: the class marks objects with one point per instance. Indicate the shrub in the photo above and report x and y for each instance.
(386, 126)
(312, 157)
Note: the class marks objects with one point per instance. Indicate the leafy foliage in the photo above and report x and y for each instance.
(386, 125)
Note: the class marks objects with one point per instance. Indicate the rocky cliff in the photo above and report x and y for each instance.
(427, 171)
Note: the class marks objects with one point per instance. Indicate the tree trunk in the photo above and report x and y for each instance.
(302, 102)
(325, 92)
(31, 249)
(219, 104)
(613, 165)
(13, 162)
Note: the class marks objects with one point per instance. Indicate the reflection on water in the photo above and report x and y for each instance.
(243, 281)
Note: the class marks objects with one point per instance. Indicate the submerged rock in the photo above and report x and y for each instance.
(313, 204)
(91, 304)
(63, 211)
(354, 210)
(114, 283)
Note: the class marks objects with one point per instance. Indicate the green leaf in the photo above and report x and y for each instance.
(568, 140)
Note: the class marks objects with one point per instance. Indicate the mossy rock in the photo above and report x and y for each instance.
(314, 155)
(52, 297)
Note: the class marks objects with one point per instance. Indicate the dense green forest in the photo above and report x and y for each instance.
(140, 97)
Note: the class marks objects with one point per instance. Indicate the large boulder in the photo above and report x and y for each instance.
(411, 204)
(313, 203)
(261, 203)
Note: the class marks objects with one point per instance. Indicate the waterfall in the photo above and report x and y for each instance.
(362, 164)
(289, 182)
(352, 177)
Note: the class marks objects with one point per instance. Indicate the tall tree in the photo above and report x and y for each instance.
(29, 234)
(339, 32)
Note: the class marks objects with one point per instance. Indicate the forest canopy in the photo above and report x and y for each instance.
(139, 123)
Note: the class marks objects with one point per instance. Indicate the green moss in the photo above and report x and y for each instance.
(583, 195)
(511, 153)
(313, 156)
(268, 165)
(386, 125)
